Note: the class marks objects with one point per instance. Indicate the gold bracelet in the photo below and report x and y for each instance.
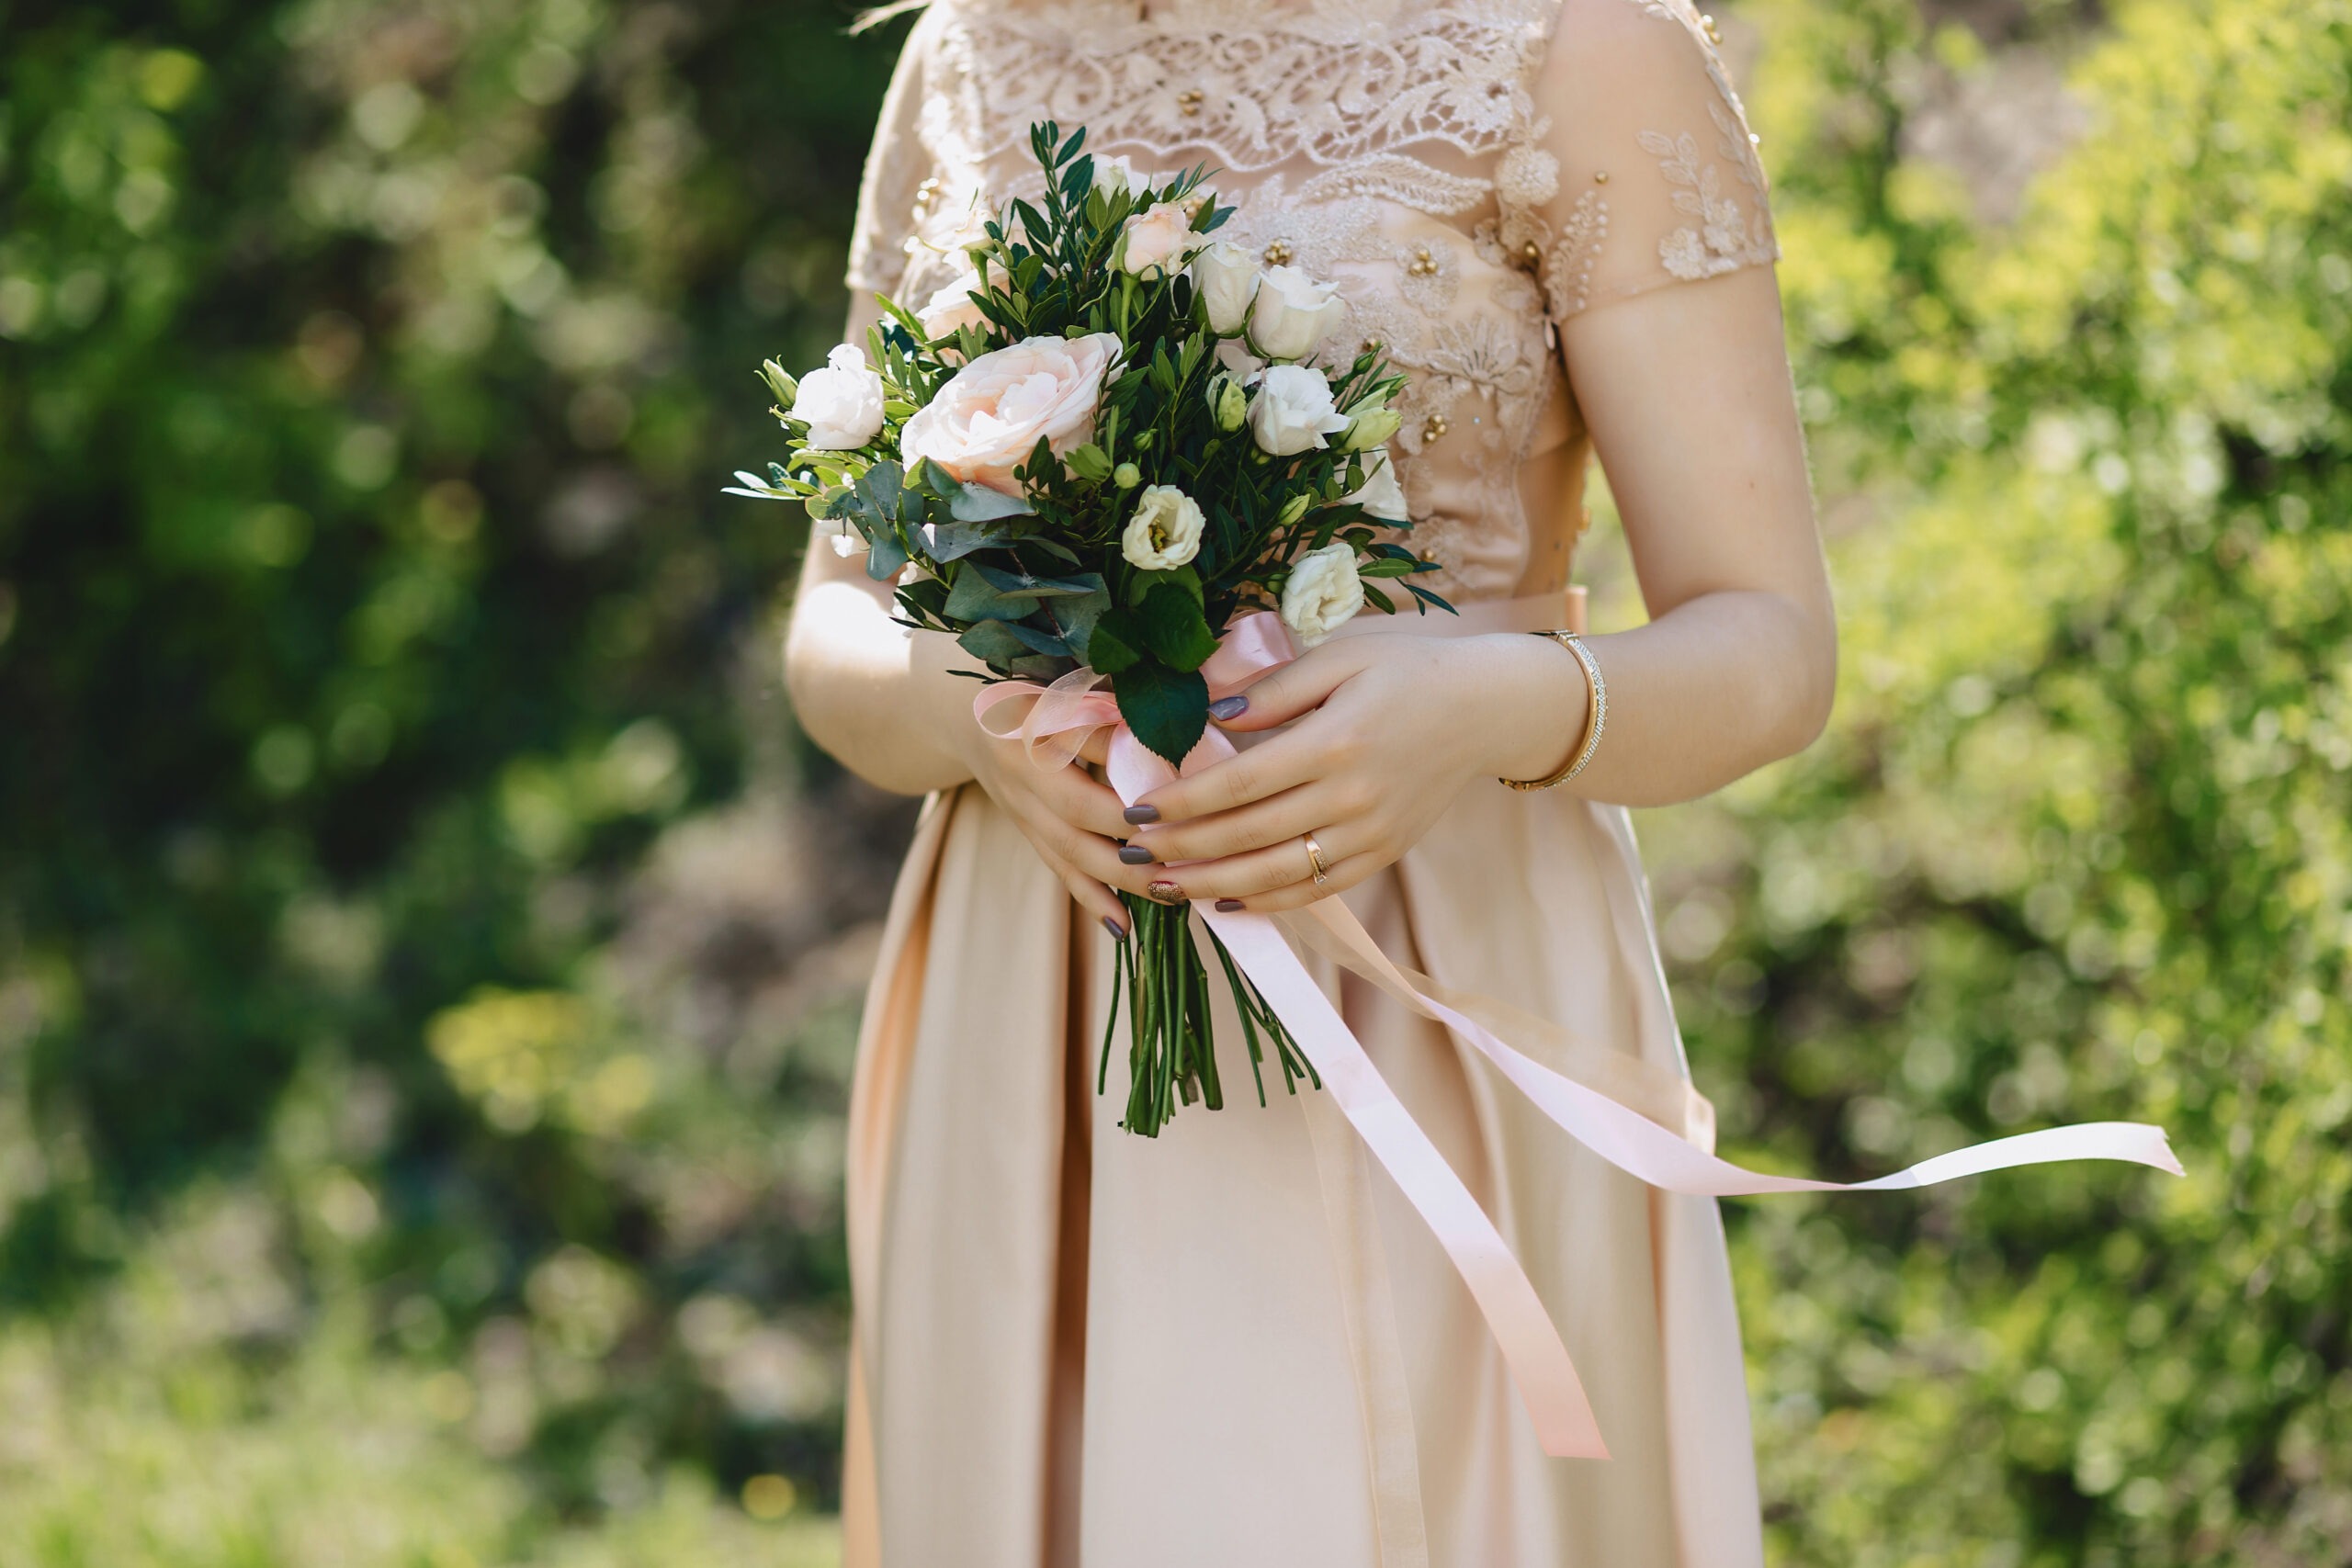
(1596, 713)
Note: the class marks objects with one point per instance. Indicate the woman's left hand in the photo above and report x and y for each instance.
(1389, 730)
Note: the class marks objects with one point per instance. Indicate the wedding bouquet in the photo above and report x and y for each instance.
(1111, 437)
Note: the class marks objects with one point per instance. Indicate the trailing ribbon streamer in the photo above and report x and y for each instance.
(1054, 730)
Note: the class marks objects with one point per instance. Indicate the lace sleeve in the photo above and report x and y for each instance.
(900, 178)
(1659, 182)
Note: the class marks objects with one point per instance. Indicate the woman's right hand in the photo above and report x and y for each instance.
(1072, 819)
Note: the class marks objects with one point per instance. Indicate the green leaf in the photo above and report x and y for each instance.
(1168, 709)
(1112, 648)
(885, 557)
(954, 541)
(1077, 618)
(1174, 630)
(974, 598)
(1038, 640)
(994, 644)
(1040, 587)
(979, 503)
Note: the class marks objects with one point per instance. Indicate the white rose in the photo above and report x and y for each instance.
(1292, 412)
(1227, 277)
(993, 413)
(1380, 495)
(1165, 532)
(1158, 241)
(1116, 176)
(950, 309)
(842, 402)
(1292, 313)
(1323, 594)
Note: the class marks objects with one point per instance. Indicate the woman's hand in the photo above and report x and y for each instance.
(1072, 819)
(1394, 729)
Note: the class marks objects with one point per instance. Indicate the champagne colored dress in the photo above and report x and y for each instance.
(1237, 1345)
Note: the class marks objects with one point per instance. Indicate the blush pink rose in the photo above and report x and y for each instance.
(993, 413)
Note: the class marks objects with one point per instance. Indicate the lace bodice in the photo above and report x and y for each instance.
(1472, 174)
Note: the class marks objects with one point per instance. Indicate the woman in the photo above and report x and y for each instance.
(1233, 1343)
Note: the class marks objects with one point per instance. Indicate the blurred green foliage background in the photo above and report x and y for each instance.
(429, 956)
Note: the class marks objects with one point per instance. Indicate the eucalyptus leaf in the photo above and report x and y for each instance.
(1040, 587)
(979, 503)
(994, 644)
(885, 557)
(974, 598)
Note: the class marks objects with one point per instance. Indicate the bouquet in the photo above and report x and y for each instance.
(1106, 441)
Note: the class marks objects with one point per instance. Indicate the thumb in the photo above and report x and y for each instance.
(1283, 693)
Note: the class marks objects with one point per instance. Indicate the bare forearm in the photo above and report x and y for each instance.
(874, 694)
(1706, 694)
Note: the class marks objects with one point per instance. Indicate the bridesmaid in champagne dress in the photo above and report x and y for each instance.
(1236, 1345)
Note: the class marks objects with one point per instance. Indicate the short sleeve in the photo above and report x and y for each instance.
(900, 181)
(1659, 178)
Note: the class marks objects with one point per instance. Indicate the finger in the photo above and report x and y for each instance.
(1307, 808)
(1085, 802)
(1091, 854)
(1298, 895)
(1097, 749)
(1263, 871)
(1282, 695)
(1096, 901)
(1284, 762)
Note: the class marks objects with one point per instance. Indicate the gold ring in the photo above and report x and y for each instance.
(1315, 859)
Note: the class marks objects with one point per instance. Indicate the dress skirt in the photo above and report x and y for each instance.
(1236, 1345)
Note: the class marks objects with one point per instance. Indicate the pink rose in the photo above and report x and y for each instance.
(993, 413)
(1160, 241)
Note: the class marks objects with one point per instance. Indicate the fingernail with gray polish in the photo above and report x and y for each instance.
(1139, 815)
(1227, 906)
(1135, 855)
(1228, 708)
(1118, 931)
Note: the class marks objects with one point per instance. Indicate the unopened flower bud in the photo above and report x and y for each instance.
(1126, 475)
(1229, 402)
(1370, 428)
(784, 388)
(1295, 510)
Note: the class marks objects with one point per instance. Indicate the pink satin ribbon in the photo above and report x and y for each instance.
(1055, 727)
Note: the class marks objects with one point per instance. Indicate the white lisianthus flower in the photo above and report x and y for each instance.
(1292, 313)
(1235, 356)
(1158, 241)
(1292, 412)
(1165, 532)
(842, 402)
(950, 309)
(1324, 592)
(1227, 277)
(1380, 495)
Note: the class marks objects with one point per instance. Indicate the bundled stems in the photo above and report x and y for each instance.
(1171, 1053)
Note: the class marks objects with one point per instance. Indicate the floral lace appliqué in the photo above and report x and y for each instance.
(1726, 237)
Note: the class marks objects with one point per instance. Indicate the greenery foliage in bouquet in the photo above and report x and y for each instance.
(1095, 449)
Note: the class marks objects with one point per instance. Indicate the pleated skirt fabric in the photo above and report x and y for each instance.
(1236, 1345)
